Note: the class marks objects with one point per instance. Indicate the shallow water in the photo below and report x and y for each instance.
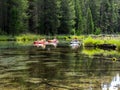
(25, 67)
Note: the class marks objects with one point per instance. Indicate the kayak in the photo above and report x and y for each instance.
(75, 44)
(44, 43)
(53, 41)
(39, 43)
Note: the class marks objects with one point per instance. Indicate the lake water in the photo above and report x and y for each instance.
(25, 67)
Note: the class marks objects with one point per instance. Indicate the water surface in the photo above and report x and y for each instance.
(25, 67)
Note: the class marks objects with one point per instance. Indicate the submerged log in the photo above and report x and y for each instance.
(107, 46)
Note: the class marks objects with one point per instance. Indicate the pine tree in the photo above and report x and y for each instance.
(59, 16)
(33, 16)
(49, 21)
(17, 21)
(113, 16)
(84, 5)
(79, 18)
(105, 16)
(94, 7)
(40, 10)
(118, 19)
(67, 17)
(3, 16)
(90, 23)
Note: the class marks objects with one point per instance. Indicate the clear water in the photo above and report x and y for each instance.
(25, 67)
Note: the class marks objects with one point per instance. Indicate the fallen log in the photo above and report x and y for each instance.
(107, 46)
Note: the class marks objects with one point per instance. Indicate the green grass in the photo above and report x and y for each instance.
(96, 51)
(27, 37)
(87, 40)
(92, 42)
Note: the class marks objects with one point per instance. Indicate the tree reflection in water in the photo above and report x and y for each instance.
(56, 68)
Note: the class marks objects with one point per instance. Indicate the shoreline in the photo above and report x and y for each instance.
(99, 41)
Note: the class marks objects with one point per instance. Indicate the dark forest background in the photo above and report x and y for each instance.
(51, 17)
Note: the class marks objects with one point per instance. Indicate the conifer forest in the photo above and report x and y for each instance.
(51, 17)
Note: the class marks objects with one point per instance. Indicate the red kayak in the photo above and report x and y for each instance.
(39, 43)
(43, 43)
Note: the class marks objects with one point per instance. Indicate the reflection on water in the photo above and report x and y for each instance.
(24, 67)
(113, 85)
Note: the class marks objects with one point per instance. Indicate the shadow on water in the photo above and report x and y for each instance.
(26, 67)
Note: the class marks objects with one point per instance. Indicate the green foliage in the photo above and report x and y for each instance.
(27, 37)
(4, 37)
(79, 17)
(92, 51)
(107, 16)
(103, 40)
(97, 31)
(53, 17)
(50, 18)
(112, 41)
(95, 51)
(17, 16)
(92, 42)
(72, 32)
(90, 24)
(67, 17)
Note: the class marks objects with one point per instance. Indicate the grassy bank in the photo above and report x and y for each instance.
(91, 40)
(96, 41)
(22, 37)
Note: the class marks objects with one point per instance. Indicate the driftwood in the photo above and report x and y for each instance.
(107, 46)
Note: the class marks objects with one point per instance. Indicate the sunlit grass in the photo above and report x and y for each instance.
(70, 37)
(91, 52)
(92, 42)
(97, 51)
(89, 41)
(112, 41)
(27, 37)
